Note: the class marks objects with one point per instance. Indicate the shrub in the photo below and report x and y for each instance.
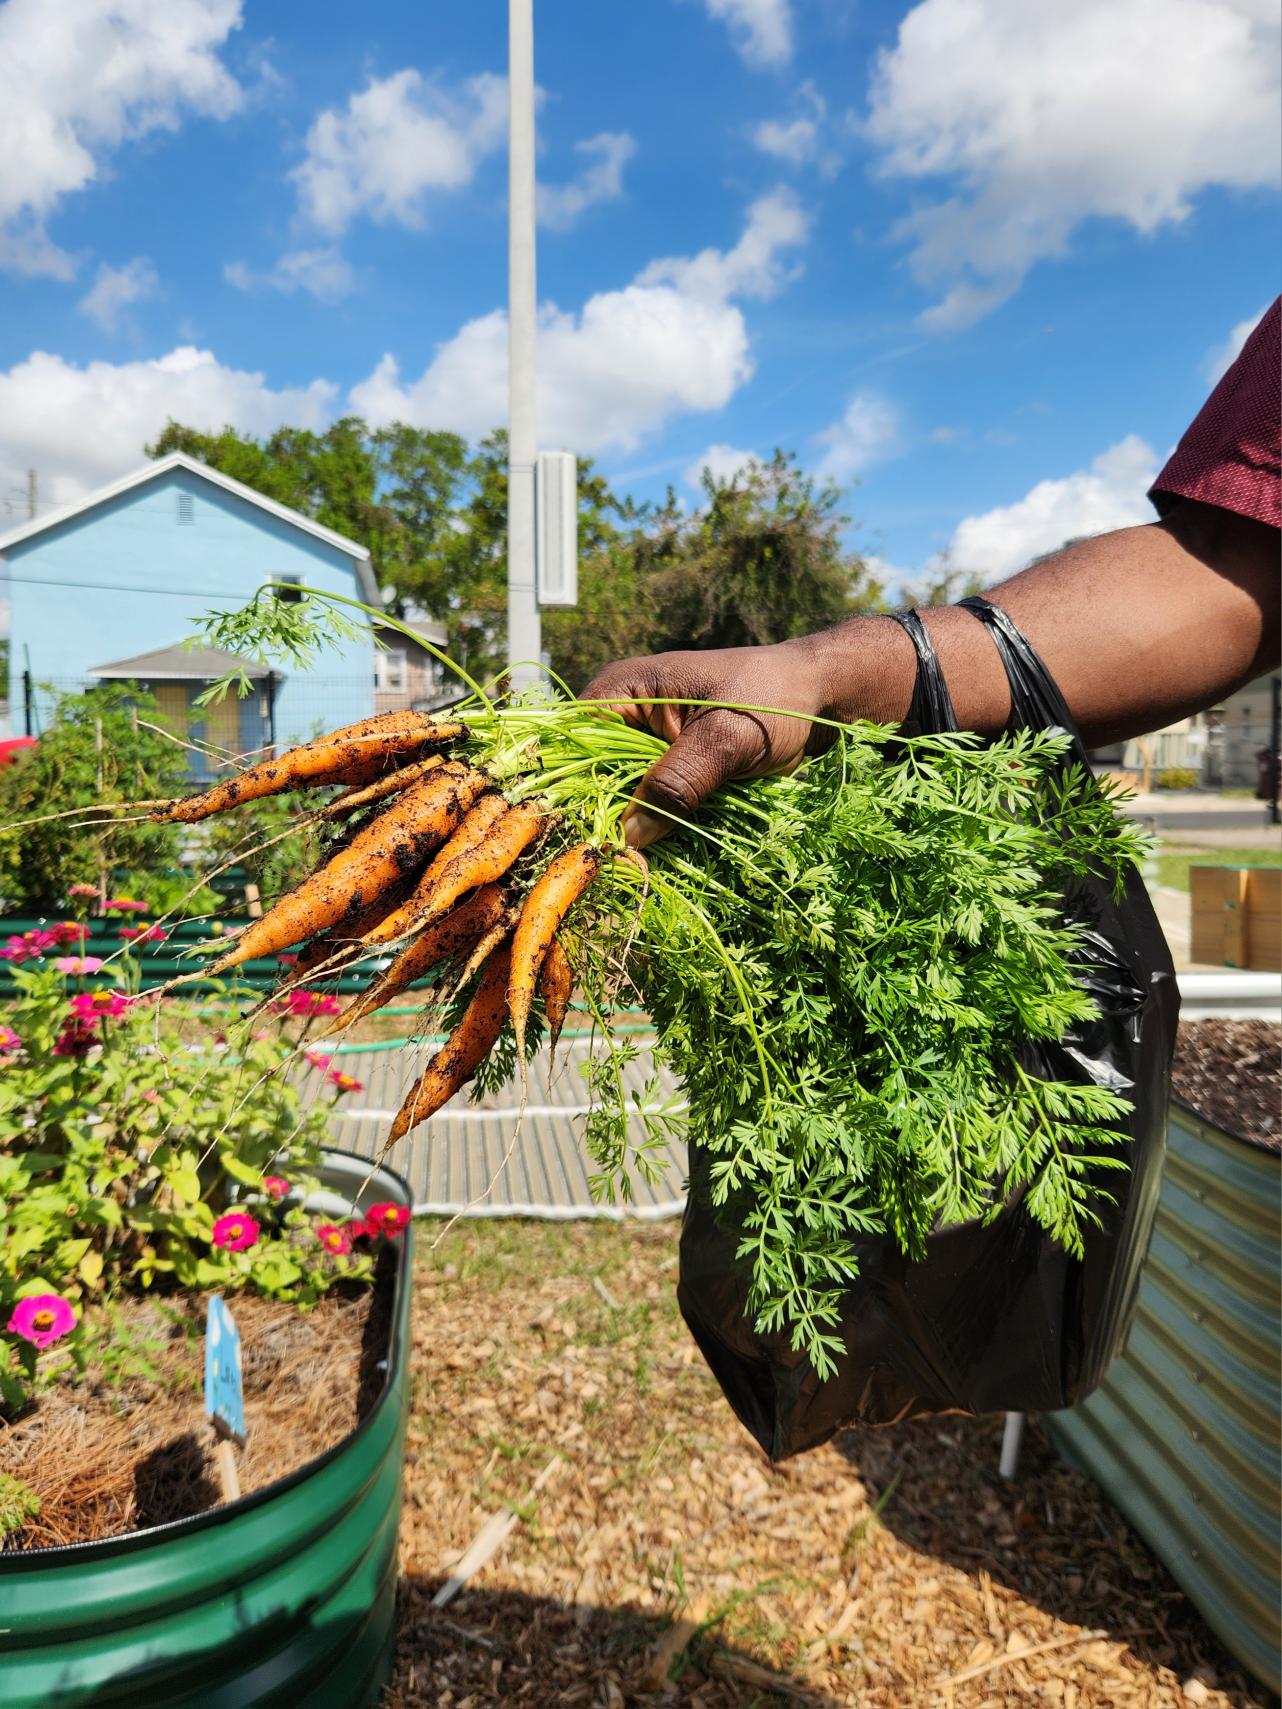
(1177, 777)
(136, 1158)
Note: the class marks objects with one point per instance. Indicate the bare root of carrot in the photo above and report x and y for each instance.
(391, 784)
(556, 984)
(476, 826)
(546, 906)
(463, 1053)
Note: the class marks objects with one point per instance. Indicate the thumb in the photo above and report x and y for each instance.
(712, 747)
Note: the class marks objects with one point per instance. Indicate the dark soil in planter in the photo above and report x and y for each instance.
(1230, 1073)
(127, 1446)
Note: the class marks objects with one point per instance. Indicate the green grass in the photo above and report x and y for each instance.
(1174, 861)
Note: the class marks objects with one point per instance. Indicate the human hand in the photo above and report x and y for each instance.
(711, 745)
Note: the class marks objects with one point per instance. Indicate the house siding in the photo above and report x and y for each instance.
(135, 574)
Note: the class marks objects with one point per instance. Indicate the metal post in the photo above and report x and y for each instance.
(524, 644)
(1012, 1440)
(272, 680)
(28, 705)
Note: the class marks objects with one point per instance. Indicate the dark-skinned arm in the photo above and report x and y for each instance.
(1139, 628)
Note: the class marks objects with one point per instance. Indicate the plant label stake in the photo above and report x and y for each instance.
(224, 1394)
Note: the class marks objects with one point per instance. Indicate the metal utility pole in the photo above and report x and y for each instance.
(524, 642)
(31, 494)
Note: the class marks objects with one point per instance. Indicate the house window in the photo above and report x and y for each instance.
(390, 670)
(288, 589)
(186, 509)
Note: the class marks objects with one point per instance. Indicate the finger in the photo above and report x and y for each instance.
(623, 689)
(709, 749)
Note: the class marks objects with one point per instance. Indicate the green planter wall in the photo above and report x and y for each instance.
(285, 1598)
(1183, 1435)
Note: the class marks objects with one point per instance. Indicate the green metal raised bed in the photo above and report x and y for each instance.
(1183, 1435)
(285, 1598)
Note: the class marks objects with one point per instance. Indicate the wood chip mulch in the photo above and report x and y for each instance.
(662, 1560)
(1230, 1072)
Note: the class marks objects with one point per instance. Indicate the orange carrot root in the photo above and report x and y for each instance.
(549, 901)
(556, 983)
(382, 787)
(463, 1053)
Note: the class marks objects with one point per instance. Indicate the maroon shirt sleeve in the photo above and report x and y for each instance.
(1232, 454)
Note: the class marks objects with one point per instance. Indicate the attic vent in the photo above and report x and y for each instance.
(186, 508)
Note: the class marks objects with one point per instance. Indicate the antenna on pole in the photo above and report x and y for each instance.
(524, 643)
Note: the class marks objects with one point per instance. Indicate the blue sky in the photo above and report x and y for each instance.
(978, 259)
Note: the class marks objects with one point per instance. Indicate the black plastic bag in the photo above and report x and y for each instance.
(996, 1317)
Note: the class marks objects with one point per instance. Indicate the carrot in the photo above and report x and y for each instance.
(354, 755)
(391, 783)
(471, 921)
(393, 844)
(481, 851)
(556, 982)
(341, 944)
(548, 903)
(464, 1051)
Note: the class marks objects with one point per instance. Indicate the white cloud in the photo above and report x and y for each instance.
(1044, 116)
(762, 29)
(115, 288)
(601, 180)
(78, 81)
(722, 462)
(867, 431)
(398, 140)
(1218, 360)
(80, 427)
(621, 367)
(800, 141)
(1109, 494)
(323, 271)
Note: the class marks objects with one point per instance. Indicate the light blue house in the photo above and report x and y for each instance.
(107, 589)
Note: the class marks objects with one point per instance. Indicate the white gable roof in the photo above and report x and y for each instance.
(180, 460)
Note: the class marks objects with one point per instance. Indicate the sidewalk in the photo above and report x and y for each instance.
(1204, 817)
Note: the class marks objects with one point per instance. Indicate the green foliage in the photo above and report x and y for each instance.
(18, 1503)
(120, 1149)
(97, 750)
(1177, 777)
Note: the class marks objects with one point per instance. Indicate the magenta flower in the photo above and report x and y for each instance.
(78, 963)
(9, 1041)
(28, 946)
(317, 1058)
(235, 1232)
(287, 960)
(387, 1219)
(301, 1004)
(275, 1186)
(82, 890)
(124, 905)
(69, 932)
(93, 1005)
(344, 1082)
(333, 1239)
(75, 1039)
(143, 934)
(42, 1319)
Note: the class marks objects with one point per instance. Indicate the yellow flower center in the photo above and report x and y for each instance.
(42, 1320)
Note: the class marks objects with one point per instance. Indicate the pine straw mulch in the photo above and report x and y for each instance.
(1230, 1072)
(665, 1562)
(128, 1445)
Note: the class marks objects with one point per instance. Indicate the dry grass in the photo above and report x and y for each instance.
(666, 1562)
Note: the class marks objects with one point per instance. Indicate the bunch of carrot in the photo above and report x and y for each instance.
(437, 864)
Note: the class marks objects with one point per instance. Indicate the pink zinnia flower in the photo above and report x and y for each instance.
(82, 890)
(69, 932)
(124, 905)
(387, 1219)
(275, 1186)
(344, 1082)
(317, 1058)
(333, 1239)
(28, 946)
(302, 1003)
(75, 1039)
(287, 960)
(92, 1005)
(360, 1231)
(42, 1319)
(9, 1041)
(143, 934)
(78, 963)
(235, 1232)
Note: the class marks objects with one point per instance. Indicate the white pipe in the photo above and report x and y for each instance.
(524, 643)
(1237, 996)
(1012, 1438)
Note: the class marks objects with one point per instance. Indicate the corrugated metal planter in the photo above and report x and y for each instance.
(1183, 1434)
(285, 1598)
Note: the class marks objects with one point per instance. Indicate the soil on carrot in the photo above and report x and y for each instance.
(127, 1445)
(1230, 1072)
(664, 1561)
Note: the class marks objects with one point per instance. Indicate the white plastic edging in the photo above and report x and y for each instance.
(557, 1213)
(1230, 995)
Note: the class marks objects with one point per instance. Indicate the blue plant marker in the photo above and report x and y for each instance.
(224, 1395)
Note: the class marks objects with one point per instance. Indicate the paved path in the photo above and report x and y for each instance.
(463, 1161)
